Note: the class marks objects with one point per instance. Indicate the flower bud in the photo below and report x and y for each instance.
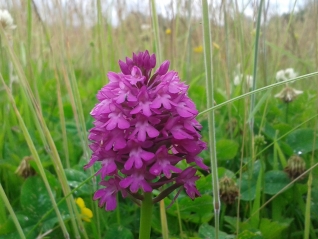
(228, 190)
(295, 167)
(259, 140)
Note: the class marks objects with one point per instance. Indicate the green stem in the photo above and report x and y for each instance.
(179, 219)
(255, 64)
(13, 216)
(222, 215)
(36, 158)
(145, 216)
(308, 224)
(163, 219)
(155, 26)
(220, 105)
(100, 39)
(118, 213)
(286, 113)
(211, 121)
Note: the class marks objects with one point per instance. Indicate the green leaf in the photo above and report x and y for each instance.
(199, 210)
(34, 198)
(267, 129)
(116, 231)
(208, 232)
(68, 111)
(254, 220)
(204, 184)
(222, 172)
(275, 180)
(8, 226)
(248, 190)
(247, 234)
(226, 149)
(302, 141)
(35, 203)
(231, 222)
(75, 178)
(248, 183)
(282, 128)
(172, 220)
(273, 229)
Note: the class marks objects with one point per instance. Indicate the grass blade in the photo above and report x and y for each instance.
(210, 101)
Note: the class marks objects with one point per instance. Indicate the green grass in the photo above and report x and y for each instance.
(60, 68)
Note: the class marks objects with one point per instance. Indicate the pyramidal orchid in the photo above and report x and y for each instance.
(144, 126)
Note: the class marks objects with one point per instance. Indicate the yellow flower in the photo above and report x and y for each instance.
(168, 31)
(198, 49)
(215, 45)
(86, 213)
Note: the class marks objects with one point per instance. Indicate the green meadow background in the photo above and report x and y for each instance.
(55, 61)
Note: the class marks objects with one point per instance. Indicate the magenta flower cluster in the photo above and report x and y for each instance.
(144, 126)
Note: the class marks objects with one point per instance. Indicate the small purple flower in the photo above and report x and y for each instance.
(144, 126)
(188, 178)
(107, 195)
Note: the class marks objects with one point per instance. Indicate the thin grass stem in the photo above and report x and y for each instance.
(211, 121)
(258, 30)
(45, 133)
(155, 25)
(36, 159)
(308, 222)
(10, 209)
(212, 108)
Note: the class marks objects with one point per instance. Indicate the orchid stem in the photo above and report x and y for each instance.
(145, 216)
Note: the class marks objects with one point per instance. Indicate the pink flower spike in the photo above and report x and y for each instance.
(135, 182)
(143, 128)
(117, 119)
(144, 103)
(144, 125)
(124, 67)
(188, 179)
(198, 161)
(185, 111)
(163, 68)
(137, 155)
(161, 100)
(107, 195)
(108, 164)
(136, 76)
(164, 163)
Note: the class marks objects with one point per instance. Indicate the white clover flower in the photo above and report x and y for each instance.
(287, 74)
(6, 20)
(290, 73)
(288, 94)
(280, 75)
(248, 79)
(145, 27)
(237, 79)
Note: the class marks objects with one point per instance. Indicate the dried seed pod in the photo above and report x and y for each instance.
(25, 170)
(295, 167)
(228, 190)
